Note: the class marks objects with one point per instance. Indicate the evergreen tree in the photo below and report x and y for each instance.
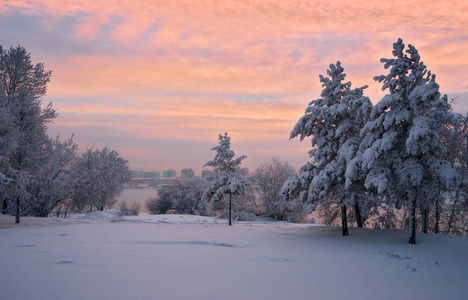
(334, 122)
(229, 181)
(401, 140)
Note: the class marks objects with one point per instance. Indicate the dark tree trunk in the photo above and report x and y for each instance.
(4, 206)
(412, 219)
(357, 211)
(451, 220)
(437, 217)
(17, 217)
(229, 213)
(424, 212)
(344, 221)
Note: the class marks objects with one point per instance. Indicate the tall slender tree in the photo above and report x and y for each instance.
(22, 86)
(229, 180)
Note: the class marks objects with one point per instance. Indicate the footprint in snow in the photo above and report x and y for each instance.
(395, 255)
(64, 262)
(275, 259)
(411, 268)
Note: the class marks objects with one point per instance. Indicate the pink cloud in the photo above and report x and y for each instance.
(192, 69)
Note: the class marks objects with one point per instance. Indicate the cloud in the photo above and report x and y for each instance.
(180, 72)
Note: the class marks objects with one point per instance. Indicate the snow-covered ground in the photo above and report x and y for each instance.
(103, 256)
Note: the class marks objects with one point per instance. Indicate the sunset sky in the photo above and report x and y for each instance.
(159, 80)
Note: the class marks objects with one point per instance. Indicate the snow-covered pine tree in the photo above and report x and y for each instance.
(229, 181)
(334, 122)
(401, 140)
(297, 185)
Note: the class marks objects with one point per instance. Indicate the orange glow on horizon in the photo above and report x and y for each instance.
(184, 71)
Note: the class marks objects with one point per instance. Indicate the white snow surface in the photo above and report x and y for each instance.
(103, 256)
(99, 215)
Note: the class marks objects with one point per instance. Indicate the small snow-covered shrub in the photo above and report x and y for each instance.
(244, 216)
(183, 198)
(133, 210)
(158, 206)
(242, 208)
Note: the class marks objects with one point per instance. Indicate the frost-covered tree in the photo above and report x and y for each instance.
(12, 182)
(268, 180)
(229, 180)
(245, 206)
(185, 197)
(8, 143)
(99, 175)
(451, 209)
(401, 140)
(52, 184)
(22, 86)
(333, 121)
(298, 185)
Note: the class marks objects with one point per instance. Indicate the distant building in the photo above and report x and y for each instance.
(187, 173)
(171, 173)
(167, 181)
(141, 179)
(207, 173)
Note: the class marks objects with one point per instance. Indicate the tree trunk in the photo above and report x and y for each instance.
(357, 211)
(424, 212)
(344, 221)
(4, 206)
(17, 217)
(412, 218)
(451, 220)
(437, 217)
(229, 213)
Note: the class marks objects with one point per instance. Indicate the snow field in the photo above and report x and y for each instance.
(180, 257)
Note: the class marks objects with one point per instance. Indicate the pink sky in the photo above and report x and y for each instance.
(159, 80)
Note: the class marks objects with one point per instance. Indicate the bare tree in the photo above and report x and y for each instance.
(268, 180)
